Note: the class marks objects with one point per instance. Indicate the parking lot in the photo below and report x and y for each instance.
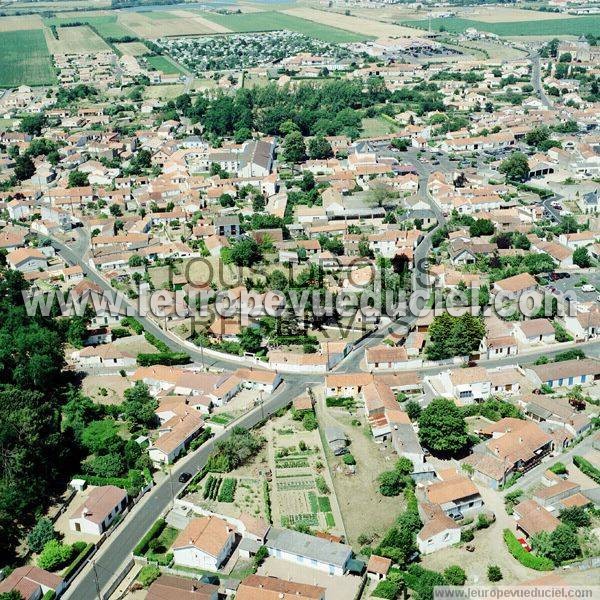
(574, 283)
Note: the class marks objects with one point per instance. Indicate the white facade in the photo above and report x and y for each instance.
(191, 556)
(438, 541)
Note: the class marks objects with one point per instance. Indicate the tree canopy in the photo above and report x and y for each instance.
(443, 429)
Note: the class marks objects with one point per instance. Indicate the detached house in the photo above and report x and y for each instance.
(99, 510)
(205, 543)
(513, 287)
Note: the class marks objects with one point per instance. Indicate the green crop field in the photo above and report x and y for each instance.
(272, 20)
(25, 59)
(107, 26)
(160, 63)
(575, 26)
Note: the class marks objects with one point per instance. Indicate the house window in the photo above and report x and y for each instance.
(466, 394)
(570, 381)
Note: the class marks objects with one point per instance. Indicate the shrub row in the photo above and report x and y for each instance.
(154, 531)
(342, 401)
(163, 358)
(81, 556)
(587, 468)
(527, 559)
(211, 488)
(227, 492)
(158, 344)
(267, 499)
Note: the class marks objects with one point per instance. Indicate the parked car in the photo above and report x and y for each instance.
(185, 477)
(588, 288)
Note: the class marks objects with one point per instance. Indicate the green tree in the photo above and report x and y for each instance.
(494, 573)
(391, 483)
(99, 435)
(33, 124)
(581, 257)
(481, 227)
(319, 148)
(309, 421)
(576, 516)
(413, 410)
(442, 428)
(294, 149)
(40, 535)
(515, 167)
(24, 167)
(251, 339)
(107, 465)
(78, 179)
(139, 406)
(564, 543)
(244, 253)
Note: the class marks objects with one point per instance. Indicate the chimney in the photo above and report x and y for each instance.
(86, 511)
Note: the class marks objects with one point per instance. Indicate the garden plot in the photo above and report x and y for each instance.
(301, 489)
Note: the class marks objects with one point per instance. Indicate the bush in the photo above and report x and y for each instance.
(467, 535)
(148, 574)
(494, 573)
(527, 559)
(558, 468)
(309, 421)
(54, 555)
(349, 459)
(82, 550)
(455, 575)
(386, 589)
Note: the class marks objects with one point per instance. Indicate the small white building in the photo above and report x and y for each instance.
(99, 510)
(205, 543)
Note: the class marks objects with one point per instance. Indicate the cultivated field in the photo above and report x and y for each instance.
(133, 48)
(73, 40)
(20, 23)
(500, 14)
(24, 59)
(107, 26)
(368, 27)
(171, 23)
(556, 27)
(272, 20)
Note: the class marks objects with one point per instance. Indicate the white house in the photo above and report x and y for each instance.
(468, 385)
(439, 532)
(308, 551)
(105, 355)
(26, 260)
(205, 543)
(535, 331)
(99, 510)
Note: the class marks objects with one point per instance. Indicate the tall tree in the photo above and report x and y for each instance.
(442, 428)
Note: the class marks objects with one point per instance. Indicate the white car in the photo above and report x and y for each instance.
(588, 288)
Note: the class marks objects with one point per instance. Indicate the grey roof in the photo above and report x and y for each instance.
(250, 545)
(538, 411)
(308, 546)
(592, 197)
(592, 495)
(334, 434)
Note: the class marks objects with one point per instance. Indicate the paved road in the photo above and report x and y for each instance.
(120, 545)
(536, 80)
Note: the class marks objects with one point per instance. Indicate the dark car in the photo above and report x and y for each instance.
(184, 477)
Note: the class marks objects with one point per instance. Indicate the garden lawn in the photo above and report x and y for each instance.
(161, 63)
(25, 59)
(272, 20)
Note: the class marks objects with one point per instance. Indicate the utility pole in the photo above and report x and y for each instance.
(96, 580)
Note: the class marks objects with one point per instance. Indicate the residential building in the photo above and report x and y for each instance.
(99, 510)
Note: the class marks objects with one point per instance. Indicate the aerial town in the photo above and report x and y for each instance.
(298, 300)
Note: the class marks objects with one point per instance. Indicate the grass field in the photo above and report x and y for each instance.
(73, 40)
(133, 48)
(272, 20)
(161, 63)
(25, 59)
(377, 126)
(107, 26)
(574, 26)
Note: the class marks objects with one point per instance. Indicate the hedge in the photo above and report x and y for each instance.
(77, 561)
(49, 595)
(527, 559)
(267, 499)
(154, 531)
(158, 344)
(133, 483)
(130, 322)
(163, 358)
(587, 468)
